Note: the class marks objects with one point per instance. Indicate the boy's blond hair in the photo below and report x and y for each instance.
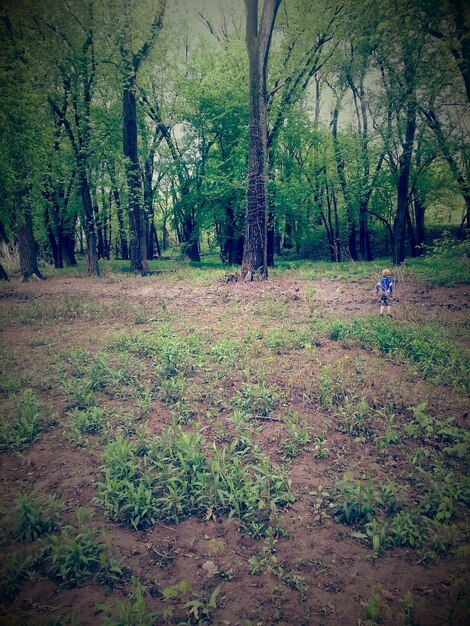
(385, 272)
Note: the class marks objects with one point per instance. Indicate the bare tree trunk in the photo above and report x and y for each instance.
(120, 217)
(340, 167)
(92, 256)
(131, 64)
(404, 168)
(3, 274)
(26, 243)
(258, 40)
(138, 242)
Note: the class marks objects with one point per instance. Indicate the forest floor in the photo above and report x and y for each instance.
(246, 454)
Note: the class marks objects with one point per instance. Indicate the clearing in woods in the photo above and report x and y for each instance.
(178, 449)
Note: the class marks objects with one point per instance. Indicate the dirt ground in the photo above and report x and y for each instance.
(336, 573)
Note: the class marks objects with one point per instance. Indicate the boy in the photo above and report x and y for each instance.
(385, 289)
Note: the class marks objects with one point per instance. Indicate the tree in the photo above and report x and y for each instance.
(258, 40)
(131, 63)
(22, 129)
(71, 101)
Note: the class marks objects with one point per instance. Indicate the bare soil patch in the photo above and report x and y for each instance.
(317, 573)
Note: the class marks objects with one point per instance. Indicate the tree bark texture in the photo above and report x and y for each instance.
(340, 167)
(138, 235)
(131, 63)
(27, 245)
(404, 166)
(258, 40)
(3, 274)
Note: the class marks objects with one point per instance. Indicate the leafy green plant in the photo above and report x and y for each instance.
(83, 422)
(33, 516)
(297, 439)
(81, 554)
(226, 352)
(132, 612)
(376, 607)
(24, 423)
(256, 399)
(320, 449)
(14, 570)
(202, 611)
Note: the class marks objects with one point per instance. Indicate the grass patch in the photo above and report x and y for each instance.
(438, 360)
(171, 478)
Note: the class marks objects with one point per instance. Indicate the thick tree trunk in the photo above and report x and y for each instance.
(399, 225)
(190, 238)
(364, 235)
(138, 242)
(340, 168)
(26, 243)
(68, 248)
(3, 274)
(404, 167)
(258, 41)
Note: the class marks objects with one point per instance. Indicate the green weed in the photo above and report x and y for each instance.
(83, 422)
(132, 612)
(256, 399)
(14, 570)
(298, 437)
(33, 516)
(201, 611)
(437, 359)
(81, 554)
(22, 426)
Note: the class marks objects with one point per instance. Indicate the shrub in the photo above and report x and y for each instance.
(33, 516)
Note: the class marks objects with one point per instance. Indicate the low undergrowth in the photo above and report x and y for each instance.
(437, 359)
(170, 477)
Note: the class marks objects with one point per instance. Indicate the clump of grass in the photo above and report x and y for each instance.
(33, 516)
(80, 554)
(21, 427)
(298, 437)
(256, 399)
(132, 612)
(170, 479)
(436, 358)
(84, 422)
(14, 570)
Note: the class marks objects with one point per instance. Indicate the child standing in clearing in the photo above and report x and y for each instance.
(384, 289)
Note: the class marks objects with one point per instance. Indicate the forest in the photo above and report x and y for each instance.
(234, 313)
(126, 130)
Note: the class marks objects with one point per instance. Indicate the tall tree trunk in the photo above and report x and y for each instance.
(364, 235)
(131, 64)
(258, 40)
(138, 241)
(419, 210)
(124, 251)
(340, 168)
(26, 243)
(68, 248)
(89, 226)
(404, 168)
(3, 274)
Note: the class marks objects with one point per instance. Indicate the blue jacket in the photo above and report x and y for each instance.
(385, 285)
